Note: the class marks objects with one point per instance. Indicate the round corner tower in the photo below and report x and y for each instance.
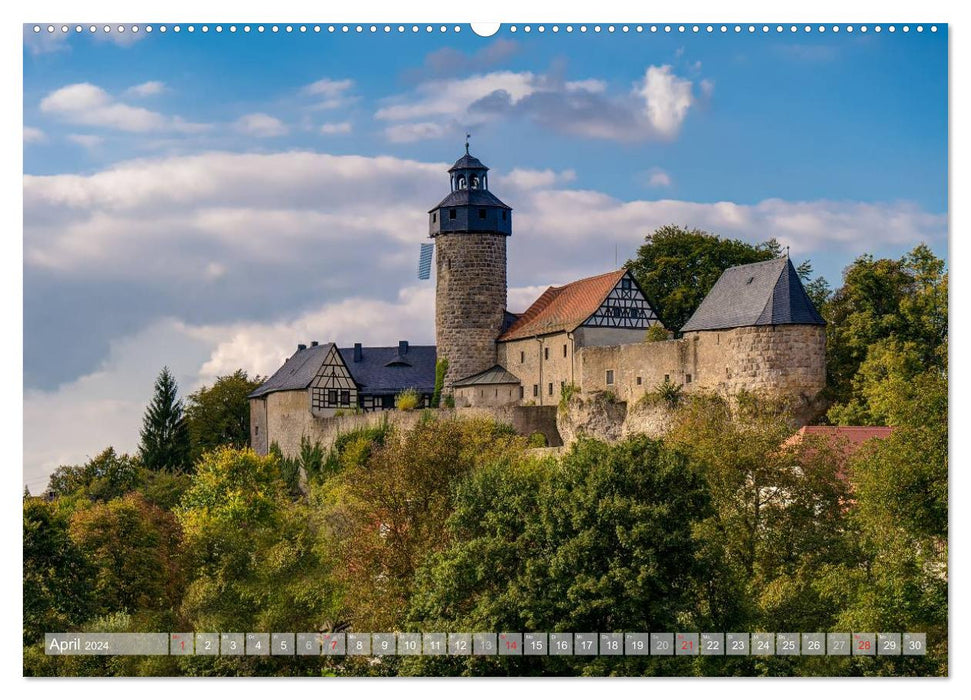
(470, 227)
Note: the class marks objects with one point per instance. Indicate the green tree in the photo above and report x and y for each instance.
(900, 301)
(57, 595)
(254, 559)
(677, 266)
(441, 369)
(102, 478)
(218, 415)
(165, 444)
(133, 545)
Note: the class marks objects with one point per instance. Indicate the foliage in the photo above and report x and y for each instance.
(441, 369)
(395, 507)
(449, 401)
(165, 444)
(132, 546)
(106, 476)
(884, 307)
(656, 334)
(407, 400)
(56, 572)
(537, 440)
(677, 266)
(218, 415)
(567, 393)
(667, 393)
(254, 560)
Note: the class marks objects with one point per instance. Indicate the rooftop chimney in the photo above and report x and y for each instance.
(402, 347)
(358, 354)
(313, 343)
(300, 347)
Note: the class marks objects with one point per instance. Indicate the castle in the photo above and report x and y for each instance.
(756, 330)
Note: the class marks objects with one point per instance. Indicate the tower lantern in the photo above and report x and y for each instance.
(470, 227)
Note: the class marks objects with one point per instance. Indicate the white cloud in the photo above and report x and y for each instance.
(533, 179)
(654, 108)
(90, 105)
(658, 178)
(147, 89)
(667, 99)
(43, 41)
(332, 128)
(420, 131)
(121, 35)
(33, 135)
(329, 92)
(88, 141)
(260, 125)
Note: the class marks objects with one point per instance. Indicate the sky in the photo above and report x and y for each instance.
(207, 200)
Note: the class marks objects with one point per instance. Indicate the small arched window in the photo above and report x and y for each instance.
(475, 182)
(461, 183)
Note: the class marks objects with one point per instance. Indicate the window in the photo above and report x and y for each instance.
(546, 353)
(522, 357)
(434, 216)
(639, 381)
(564, 349)
(475, 182)
(451, 214)
(551, 389)
(625, 284)
(482, 213)
(503, 214)
(617, 311)
(610, 376)
(345, 397)
(687, 379)
(332, 397)
(667, 377)
(462, 183)
(535, 389)
(257, 430)
(522, 391)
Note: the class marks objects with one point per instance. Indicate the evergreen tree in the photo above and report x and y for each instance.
(165, 442)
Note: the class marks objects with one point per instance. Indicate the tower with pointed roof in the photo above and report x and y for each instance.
(470, 227)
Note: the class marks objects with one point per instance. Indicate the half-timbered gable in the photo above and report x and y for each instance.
(333, 387)
(626, 306)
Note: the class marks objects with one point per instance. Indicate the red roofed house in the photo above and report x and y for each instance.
(847, 439)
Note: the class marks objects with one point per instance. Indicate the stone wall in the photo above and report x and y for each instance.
(779, 361)
(470, 299)
(487, 396)
(287, 425)
(538, 363)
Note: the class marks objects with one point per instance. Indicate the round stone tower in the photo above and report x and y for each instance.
(470, 227)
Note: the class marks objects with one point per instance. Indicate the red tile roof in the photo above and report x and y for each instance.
(852, 436)
(564, 308)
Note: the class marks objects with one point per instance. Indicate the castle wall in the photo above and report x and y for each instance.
(257, 425)
(785, 361)
(470, 299)
(525, 420)
(487, 396)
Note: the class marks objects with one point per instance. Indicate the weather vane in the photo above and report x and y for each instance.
(467, 137)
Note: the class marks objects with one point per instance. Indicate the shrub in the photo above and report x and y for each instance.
(537, 439)
(449, 401)
(656, 333)
(566, 395)
(667, 392)
(441, 367)
(407, 400)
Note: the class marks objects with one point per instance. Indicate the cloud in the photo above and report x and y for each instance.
(43, 41)
(447, 61)
(260, 125)
(147, 89)
(329, 92)
(88, 141)
(332, 128)
(656, 177)
(90, 105)
(653, 109)
(533, 179)
(33, 135)
(120, 35)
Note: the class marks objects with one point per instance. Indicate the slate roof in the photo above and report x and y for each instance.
(467, 161)
(383, 370)
(497, 374)
(297, 372)
(564, 308)
(765, 293)
(475, 198)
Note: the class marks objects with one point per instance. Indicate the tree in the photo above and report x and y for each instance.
(165, 444)
(106, 476)
(132, 545)
(903, 301)
(218, 415)
(57, 594)
(441, 369)
(677, 266)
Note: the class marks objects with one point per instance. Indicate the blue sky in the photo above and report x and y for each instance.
(207, 200)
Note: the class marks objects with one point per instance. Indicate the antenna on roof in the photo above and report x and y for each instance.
(467, 137)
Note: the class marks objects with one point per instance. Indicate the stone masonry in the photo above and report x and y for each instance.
(470, 298)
